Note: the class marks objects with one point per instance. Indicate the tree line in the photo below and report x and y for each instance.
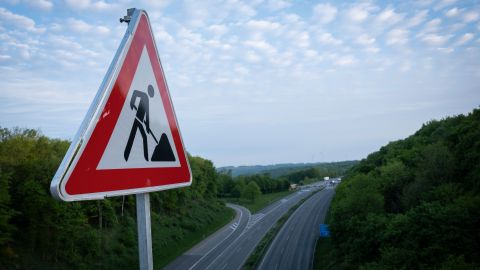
(414, 204)
(38, 232)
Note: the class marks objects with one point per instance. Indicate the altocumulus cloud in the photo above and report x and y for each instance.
(253, 81)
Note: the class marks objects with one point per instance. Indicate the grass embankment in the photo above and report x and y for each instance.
(255, 258)
(324, 256)
(164, 254)
(261, 202)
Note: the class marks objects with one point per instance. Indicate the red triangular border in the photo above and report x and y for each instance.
(85, 178)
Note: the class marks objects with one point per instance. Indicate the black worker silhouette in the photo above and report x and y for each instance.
(163, 150)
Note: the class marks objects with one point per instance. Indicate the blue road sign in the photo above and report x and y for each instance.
(324, 231)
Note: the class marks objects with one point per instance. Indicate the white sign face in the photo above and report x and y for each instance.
(141, 137)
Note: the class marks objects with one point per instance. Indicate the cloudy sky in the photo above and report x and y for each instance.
(253, 82)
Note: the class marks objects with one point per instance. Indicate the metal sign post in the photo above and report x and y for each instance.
(144, 232)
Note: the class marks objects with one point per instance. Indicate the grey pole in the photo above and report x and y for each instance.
(144, 231)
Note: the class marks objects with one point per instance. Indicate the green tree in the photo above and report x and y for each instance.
(252, 191)
(413, 201)
(238, 189)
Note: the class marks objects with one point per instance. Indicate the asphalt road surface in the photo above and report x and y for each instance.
(216, 241)
(294, 245)
(230, 247)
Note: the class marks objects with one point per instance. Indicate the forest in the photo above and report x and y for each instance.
(414, 204)
(38, 232)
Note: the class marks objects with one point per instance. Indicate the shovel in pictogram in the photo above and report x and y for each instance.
(163, 150)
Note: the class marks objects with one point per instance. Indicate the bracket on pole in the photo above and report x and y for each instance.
(128, 17)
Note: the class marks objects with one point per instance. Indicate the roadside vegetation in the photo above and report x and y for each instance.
(254, 191)
(261, 202)
(414, 204)
(38, 232)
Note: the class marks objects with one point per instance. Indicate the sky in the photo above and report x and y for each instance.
(253, 82)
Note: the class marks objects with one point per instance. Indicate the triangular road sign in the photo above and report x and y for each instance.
(129, 142)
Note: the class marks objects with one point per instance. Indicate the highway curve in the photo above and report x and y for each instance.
(231, 251)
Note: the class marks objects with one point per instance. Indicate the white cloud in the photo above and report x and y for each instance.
(435, 39)
(372, 49)
(389, 17)
(445, 50)
(189, 37)
(201, 13)
(88, 4)
(218, 45)
(365, 39)
(471, 16)
(453, 12)
(261, 45)
(464, 39)
(278, 4)
(397, 36)
(252, 57)
(262, 25)
(325, 13)
(299, 38)
(162, 35)
(64, 42)
(218, 29)
(241, 70)
(328, 39)
(445, 3)
(20, 21)
(346, 60)
(293, 19)
(4, 57)
(41, 4)
(432, 26)
(80, 26)
(418, 18)
(311, 53)
(360, 12)
(102, 29)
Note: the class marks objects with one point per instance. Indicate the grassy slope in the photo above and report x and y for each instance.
(324, 257)
(261, 202)
(166, 254)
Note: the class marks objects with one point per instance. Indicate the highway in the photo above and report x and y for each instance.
(216, 241)
(294, 245)
(230, 248)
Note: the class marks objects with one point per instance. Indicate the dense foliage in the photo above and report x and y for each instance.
(37, 232)
(414, 204)
(244, 186)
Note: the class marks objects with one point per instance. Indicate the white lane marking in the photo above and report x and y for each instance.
(282, 230)
(234, 226)
(208, 266)
(254, 219)
(206, 254)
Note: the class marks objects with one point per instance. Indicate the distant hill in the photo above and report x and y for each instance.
(277, 170)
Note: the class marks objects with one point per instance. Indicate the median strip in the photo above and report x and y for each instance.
(256, 256)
